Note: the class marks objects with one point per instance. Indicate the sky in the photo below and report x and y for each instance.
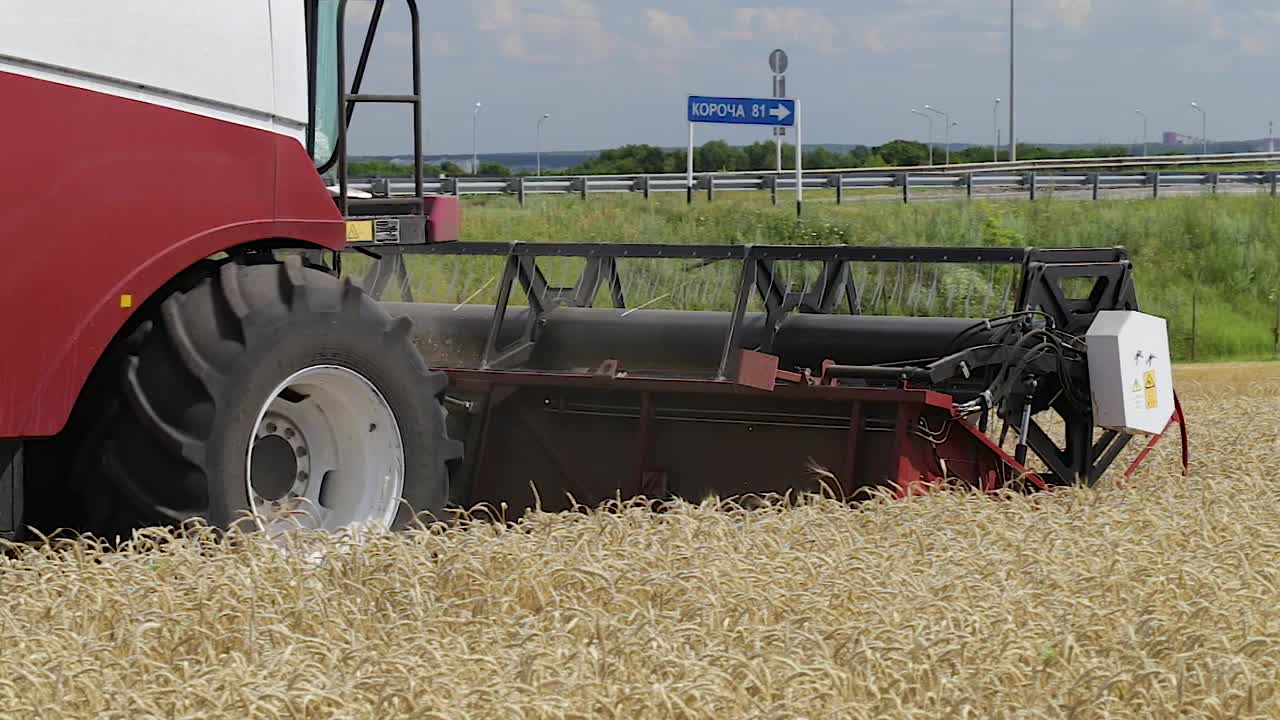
(613, 72)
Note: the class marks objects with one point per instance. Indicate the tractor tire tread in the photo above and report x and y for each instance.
(178, 379)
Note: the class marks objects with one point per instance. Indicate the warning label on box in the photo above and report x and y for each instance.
(1149, 383)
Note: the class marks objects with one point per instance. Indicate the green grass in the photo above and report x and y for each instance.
(1221, 249)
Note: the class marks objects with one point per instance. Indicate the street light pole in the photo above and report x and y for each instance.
(1144, 132)
(544, 117)
(1013, 140)
(1204, 129)
(947, 119)
(475, 126)
(995, 125)
(930, 119)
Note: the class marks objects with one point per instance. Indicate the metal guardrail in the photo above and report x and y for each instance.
(1081, 163)
(1031, 177)
(906, 185)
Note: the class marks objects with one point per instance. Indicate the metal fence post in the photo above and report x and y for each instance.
(711, 187)
(644, 185)
(773, 189)
(455, 186)
(1213, 183)
(583, 188)
(1273, 175)
(1096, 180)
(906, 187)
(839, 189)
(520, 190)
(1030, 181)
(1155, 188)
(968, 186)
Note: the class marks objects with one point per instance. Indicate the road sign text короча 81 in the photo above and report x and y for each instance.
(742, 111)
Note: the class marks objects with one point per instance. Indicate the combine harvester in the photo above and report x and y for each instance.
(183, 342)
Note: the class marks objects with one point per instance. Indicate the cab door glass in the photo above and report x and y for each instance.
(324, 116)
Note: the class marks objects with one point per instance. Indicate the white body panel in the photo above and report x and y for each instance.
(1130, 374)
(242, 61)
(289, 51)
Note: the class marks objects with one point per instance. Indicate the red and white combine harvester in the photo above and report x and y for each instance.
(181, 342)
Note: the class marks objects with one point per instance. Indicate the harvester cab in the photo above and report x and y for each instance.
(214, 367)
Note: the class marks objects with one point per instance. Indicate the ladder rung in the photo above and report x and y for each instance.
(366, 97)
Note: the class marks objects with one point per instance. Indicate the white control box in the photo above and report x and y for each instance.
(1130, 373)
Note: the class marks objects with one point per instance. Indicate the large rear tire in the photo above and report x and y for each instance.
(268, 389)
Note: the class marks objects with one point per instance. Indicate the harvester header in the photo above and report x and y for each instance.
(587, 391)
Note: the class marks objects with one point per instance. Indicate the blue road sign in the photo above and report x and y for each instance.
(776, 112)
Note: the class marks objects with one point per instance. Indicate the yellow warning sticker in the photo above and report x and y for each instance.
(126, 300)
(1149, 381)
(360, 231)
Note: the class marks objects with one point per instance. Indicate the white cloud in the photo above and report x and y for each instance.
(1044, 14)
(873, 39)
(1246, 28)
(1252, 44)
(1218, 28)
(1190, 7)
(497, 14)
(511, 45)
(569, 31)
(802, 25)
(440, 44)
(578, 8)
(672, 29)
(1035, 14)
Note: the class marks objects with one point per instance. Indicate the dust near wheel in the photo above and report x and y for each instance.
(272, 391)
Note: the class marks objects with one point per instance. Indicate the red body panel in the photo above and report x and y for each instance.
(101, 197)
(444, 218)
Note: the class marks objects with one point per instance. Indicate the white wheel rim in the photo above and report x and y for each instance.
(329, 454)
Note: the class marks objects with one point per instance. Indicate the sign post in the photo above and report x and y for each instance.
(778, 64)
(771, 112)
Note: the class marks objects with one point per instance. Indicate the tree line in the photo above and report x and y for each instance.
(719, 156)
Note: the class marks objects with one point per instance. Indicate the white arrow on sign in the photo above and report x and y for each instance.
(781, 112)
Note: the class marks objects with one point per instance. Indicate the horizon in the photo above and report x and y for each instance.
(564, 159)
(955, 144)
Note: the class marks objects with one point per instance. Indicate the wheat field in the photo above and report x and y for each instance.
(1156, 597)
